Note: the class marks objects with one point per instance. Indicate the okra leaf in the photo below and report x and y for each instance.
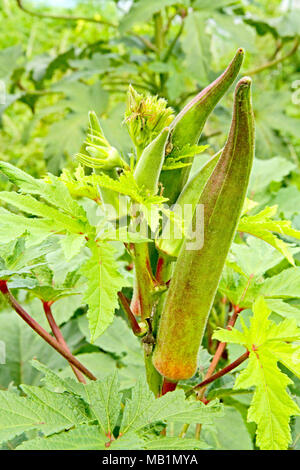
(176, 159)
(82, 438)
(268, 343)
(72, 244)
(78, 184)
(284, 309)
(45, 411)
(141, 11)
(284, 285)
(175, 443)
(143, 409)
(104, 399)
(104, 282)
(262, 226)
(51, 190)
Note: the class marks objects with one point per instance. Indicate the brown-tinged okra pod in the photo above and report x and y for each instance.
(197, 272)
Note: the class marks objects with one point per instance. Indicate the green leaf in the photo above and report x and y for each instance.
(45, 411)
(104, 282)
(284, 309)
(53, 191)
(22, 345)
(268, 344)
(266, 171)
(141, 11)
(175, 443)
(288, 200)
(221, 436)
(177, 157)
(143, 409)
(82, 438)
(284, 285)
(104, 399)
(196, 46)
(262, 226)
(72, 244)
(30, 205)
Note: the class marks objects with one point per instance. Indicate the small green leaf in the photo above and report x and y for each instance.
(268, 343)
(104, 282)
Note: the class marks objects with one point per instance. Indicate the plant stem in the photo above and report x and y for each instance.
(184, 430)
(43, 333)
(220, 349)
(274, 62)
(62, 17)
(159, 31)
(131, 318)
(168, 387)
(223, 371)
(142, 300)
(198, 431)
(173, 43)
(59, 336)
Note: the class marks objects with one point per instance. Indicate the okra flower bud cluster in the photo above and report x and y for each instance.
(146, 117)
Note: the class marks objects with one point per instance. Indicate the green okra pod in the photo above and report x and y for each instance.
(148, 168)
(197, 272)
(187, 127)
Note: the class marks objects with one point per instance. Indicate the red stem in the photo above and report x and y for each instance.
(131, 318)
(224, 371)
(159, 269)
(58, 335)
(43, 333)
(220, 349)
(168, 387)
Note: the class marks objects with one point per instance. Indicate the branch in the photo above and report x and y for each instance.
(41, 332)
(131, 318)
(222, 372)
(63, 17)
(145, 41)
(59, 336)
(221, 347)
(274, 62)
(173, 43)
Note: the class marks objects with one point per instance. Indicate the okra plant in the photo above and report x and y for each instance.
(138, 237)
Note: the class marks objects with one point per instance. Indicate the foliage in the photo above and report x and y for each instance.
(59, 248)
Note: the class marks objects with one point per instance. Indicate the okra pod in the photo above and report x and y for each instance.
(197, 272)
(149, 166)
(187, 127)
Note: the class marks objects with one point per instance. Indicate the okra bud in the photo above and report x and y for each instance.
(149, 166)
(97, 153)
(188, 124)
(197, 273)
(146, 117)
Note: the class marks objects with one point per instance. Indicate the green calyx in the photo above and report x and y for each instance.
(188, 125)
(146, 117)
(197, 271)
